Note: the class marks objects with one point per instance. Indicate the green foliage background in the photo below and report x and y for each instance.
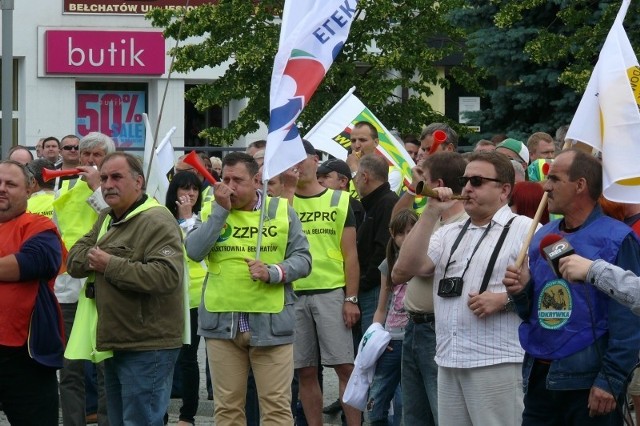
(528, 59)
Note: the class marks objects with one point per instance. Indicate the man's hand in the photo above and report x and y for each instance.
(515, 280)
(98, 259)
(222, 194)
(442, 203)
(574, 268)
(350, 314)
(289, 183)
(91, 175)
(485, 304)
(600, 402)
(258, 270)
(353, 160)
(417, 175)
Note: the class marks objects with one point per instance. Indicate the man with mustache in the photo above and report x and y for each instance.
(580, 343)
(134, 265)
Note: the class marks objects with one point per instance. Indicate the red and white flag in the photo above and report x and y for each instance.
(312, 35)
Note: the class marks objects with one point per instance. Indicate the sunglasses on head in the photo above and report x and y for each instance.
(70, 147)
(475, 181)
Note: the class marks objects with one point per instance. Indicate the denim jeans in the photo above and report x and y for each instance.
(368, 301)
(419, 375)
(385, 382)
(139, 386)
(561, 407)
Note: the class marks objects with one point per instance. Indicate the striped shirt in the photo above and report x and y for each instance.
(462, 339)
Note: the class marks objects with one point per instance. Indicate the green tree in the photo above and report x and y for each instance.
(538, 55)
(408, 38)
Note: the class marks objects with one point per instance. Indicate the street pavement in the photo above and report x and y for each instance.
(205, 407)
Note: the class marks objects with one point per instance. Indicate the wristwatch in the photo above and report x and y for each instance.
(510, 306)
(352, 299)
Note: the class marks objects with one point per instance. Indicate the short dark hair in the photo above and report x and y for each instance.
(50, 138)
(372, 128)
(234, 158)
(588, 167)
(411, 139)
(376, 166)
(71, 136)
(259, 144)
(501, 163)
(448, 166)
(183, 180)
(135, 165)
(36, 167)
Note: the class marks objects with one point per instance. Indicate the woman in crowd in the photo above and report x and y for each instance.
(184, 200)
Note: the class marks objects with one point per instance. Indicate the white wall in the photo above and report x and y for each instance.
(47, 103)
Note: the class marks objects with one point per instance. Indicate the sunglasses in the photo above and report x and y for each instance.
(71, 147)
(475, 181)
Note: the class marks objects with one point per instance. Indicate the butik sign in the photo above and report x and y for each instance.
(104, 52)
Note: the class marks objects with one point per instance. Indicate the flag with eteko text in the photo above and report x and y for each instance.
(607, 117)
(332, 134)
(312, 35)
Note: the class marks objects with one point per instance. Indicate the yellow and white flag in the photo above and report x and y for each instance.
(608, 118)
(332, 134)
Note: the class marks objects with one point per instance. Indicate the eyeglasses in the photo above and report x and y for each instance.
(71, 147)
(475, 181)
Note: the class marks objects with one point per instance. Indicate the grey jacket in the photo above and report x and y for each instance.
(266, 329)
(621, 285)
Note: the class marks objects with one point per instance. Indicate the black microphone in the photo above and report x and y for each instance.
(553, 248)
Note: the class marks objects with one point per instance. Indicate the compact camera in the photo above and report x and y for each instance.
(450, 287)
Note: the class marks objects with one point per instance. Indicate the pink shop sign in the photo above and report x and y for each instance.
(104, 52)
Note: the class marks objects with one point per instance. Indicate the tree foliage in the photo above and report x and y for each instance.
(539, 55)
(392, 44)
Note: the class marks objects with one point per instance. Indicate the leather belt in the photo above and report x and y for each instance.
(421, 318)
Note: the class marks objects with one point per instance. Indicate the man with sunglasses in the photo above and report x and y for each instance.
(70, 152)
(419, 375)
(580, 343)
(477, 349)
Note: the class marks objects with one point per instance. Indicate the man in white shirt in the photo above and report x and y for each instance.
(477, 348)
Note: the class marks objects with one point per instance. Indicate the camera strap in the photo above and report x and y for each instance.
(457, 242)
(494, 256)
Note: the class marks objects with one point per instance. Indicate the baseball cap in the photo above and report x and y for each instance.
(517, 147)
(334, 165)
(308, 148)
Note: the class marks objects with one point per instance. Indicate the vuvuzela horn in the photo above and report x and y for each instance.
(193, 160)
(48, 174)
(422, 189)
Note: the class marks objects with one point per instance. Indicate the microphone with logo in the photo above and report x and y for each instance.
(553, 248)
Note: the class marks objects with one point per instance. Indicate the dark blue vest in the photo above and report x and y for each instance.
(561, 314)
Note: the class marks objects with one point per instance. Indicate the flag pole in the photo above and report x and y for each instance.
(262, 214)
(166, 88)
(536, 220)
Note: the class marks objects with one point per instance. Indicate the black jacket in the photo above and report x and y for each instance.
(373, 235)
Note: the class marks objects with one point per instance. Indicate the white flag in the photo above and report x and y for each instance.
(312, 34)
(608, 118)
(332, 134)
(162, 165)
